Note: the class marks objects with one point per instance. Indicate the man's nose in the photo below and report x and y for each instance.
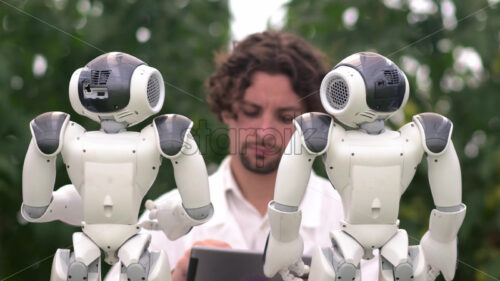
(267, 129)
(266, 121)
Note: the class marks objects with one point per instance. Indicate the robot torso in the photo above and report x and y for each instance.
(112, 172)
(371, 172)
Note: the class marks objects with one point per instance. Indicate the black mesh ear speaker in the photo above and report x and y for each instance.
(153, 91)
(337, 93)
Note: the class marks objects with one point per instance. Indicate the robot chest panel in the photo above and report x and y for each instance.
(377, 151)
(106, 148)
(108, 172)
(368, 170)
(355, 150)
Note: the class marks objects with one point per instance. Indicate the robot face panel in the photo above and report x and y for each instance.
(363, 88)
(117, 86)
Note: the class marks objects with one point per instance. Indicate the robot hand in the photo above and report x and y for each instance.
(170, 217)
(439, 244)
(285, 245)
(284, 257)
(445, 261)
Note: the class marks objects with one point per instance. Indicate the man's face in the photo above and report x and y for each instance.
(263, 126)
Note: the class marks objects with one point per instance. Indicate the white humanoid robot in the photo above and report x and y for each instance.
(371, 167)
(111, 171)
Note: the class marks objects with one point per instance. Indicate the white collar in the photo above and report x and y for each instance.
(223, 178)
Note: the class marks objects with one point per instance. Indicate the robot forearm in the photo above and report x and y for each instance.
(284, 221)
(445, 223)
(65, 205)
(284, 246)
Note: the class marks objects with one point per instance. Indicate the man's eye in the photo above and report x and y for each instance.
(286, 118)
(251, 113)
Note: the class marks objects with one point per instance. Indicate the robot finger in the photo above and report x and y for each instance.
(287, 276)
(150, 205)
(153, 214)
(150, 225)
(432, 274)
(152, 208)
(299, 268)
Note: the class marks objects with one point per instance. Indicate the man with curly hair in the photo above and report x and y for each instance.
(257, 90)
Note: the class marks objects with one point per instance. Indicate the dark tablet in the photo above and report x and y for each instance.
(218, 264)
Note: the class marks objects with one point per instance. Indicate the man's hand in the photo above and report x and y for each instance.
(180, 270)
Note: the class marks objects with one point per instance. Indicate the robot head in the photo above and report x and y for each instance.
(117, 86)
(363, 88)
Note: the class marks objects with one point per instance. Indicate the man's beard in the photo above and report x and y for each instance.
(258, 168)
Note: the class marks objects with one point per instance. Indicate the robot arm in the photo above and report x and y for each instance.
(284, 247)
(309, 140)
(177, 217)
(66, 205)
(40, 203)
(440, 242)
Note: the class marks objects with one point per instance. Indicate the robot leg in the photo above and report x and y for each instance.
(340, 262)
(84, 264)
(394, 261)
(403, 263)
(421, 271)
(138, 264)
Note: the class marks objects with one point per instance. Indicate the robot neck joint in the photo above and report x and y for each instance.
(110, 126)
(373, 128)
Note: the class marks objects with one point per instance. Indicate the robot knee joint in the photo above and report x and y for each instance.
(77, 271)
(136, 272)
(403, 272)
(346, 272)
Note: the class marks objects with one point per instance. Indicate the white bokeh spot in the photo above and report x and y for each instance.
(39, 65)
(350, 17)
(143, 34)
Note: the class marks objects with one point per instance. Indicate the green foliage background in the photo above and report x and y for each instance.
(184, 34)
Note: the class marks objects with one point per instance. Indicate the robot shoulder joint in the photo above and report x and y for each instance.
(48, 131)
(171, 131)
(315, 129)
(435, 130)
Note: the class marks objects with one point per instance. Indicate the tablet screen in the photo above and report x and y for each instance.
(218, 264)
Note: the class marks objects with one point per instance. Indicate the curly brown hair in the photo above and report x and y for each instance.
(273, 52)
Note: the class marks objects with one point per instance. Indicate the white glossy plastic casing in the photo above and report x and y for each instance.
(138, 108)
(356, 110)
